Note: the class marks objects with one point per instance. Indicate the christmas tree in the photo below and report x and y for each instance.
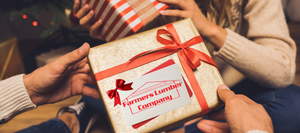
(34, 8)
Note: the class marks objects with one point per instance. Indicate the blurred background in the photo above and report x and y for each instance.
(34, 32)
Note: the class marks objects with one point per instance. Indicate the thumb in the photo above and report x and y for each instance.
(225, 93)
(74, 56)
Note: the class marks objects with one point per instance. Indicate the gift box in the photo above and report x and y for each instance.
(132, 57)
(10, 60)
(122, 18)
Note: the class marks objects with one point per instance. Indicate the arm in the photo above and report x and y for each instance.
(14, 98)
(267, 54)
(60, 79)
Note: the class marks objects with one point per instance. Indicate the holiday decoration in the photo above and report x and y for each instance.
(34, 8)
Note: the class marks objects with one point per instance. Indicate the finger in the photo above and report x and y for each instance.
(225, 93)
(217, 115)
(85, 60)
(96, 26)
(173, 2)
(170, 1)
(87, 91)
(83, 11)
(90, 80)
(94, 32)
(81, 67)
(76, 6)
(183, 4)
(177, 13)
(209, 126)
(193, 121)
(216, 124)
(86, 20)
(71, 58)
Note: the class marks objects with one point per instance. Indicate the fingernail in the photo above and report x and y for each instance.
(77, 1)
(202, 125)
(223, 87)
(99, 21)
(81, 48)
(91, 12)
(86, 6)
(162, 12)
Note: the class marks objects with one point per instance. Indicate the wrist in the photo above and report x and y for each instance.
(214, 34)
(29, 88)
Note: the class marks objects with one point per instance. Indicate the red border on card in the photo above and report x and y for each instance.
(165, 64)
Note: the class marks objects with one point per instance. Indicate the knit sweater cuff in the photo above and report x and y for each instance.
(230, 48)
(14, 98)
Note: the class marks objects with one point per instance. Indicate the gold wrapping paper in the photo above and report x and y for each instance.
(117, 52)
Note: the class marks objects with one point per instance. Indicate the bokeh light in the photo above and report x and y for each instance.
(34, 23)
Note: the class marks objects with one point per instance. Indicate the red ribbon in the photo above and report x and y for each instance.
(189, 58)
(120, 85)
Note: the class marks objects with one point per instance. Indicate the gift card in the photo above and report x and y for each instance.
(154, 94)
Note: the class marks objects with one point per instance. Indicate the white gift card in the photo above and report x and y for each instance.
(154, 94)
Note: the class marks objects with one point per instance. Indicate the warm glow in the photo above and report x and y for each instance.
(34, 23)
(24, 16)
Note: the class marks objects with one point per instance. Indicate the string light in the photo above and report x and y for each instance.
(24, 16)
(34, 23)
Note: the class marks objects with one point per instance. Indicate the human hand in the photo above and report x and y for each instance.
(241, 113)
(85, 16)
(62, 78)
(215, 34)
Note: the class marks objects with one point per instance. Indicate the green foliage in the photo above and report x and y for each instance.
(34, 8)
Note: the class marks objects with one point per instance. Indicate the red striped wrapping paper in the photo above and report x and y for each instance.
(122, 18)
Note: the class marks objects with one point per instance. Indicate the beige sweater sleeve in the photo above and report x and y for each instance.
(14, 98)
(267, 53)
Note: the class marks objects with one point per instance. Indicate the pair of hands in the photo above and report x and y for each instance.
(241, 113)
(67, 76)
(215, 34)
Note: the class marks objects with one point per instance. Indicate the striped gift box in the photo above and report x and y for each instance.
(122, 18)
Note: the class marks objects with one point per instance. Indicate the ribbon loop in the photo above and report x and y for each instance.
(183, 49)
(120, 85)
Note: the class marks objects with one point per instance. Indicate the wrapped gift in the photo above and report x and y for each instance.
(133, 59)
(123, 17)
(10, 60)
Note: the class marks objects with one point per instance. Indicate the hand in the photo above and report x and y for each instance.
(62, 78)
(85, 16)
(215, 34)
(241, 113)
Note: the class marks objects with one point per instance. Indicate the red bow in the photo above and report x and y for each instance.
(120, 85)
(191, 56)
